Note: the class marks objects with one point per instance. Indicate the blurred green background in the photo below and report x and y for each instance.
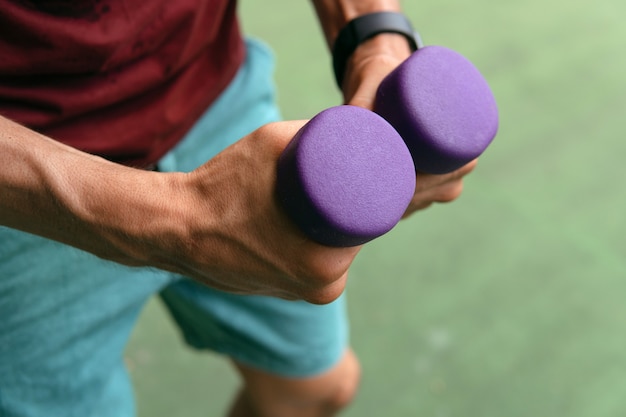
(509, 302)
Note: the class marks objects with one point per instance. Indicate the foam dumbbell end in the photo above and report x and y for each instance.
(442, 107)
(346, 177)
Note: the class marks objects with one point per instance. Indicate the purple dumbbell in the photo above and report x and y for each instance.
(346, 177)
(441, 106)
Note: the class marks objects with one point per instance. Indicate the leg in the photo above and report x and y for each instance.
(65, 319)
(265, 394)
(293, 356)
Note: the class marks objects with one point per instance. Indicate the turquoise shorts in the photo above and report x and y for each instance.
(66, 316)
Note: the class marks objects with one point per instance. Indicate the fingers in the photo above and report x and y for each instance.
(360, 89)
(429, 181)
(369, 64)
(444, 188)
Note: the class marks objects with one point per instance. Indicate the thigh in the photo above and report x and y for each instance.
(66, 316)
(289, 338)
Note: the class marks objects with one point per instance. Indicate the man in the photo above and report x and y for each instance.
(146, 134)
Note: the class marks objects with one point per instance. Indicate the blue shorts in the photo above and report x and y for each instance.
(65, 315)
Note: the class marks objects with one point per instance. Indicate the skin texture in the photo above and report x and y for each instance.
(220, 224)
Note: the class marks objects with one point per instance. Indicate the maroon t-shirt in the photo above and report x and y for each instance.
(121, 79)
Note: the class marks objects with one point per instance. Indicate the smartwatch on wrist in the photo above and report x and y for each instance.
(365, 27)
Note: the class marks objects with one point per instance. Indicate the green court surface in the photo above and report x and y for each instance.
(510, 301)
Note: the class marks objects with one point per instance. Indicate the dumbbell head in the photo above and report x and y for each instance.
(346, 177)
(441, 106)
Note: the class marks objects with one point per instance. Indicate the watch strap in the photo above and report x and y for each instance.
(365, 27)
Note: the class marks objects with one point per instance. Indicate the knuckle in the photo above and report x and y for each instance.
(321, 276)
(321, 299)
(451, 192)
(321, 273)
(324, 295)
(323, 282)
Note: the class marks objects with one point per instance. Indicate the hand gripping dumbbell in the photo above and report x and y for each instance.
(442, 107)
(347, 177)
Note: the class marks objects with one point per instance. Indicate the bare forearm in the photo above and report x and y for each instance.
(57, 192)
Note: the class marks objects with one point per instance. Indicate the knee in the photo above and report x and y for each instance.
(346, 385)
(320, 396)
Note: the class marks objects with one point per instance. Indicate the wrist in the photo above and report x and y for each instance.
(370, 63)
(390, 45)
(368, 27)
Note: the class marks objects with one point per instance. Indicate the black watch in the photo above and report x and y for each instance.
(367, 26)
